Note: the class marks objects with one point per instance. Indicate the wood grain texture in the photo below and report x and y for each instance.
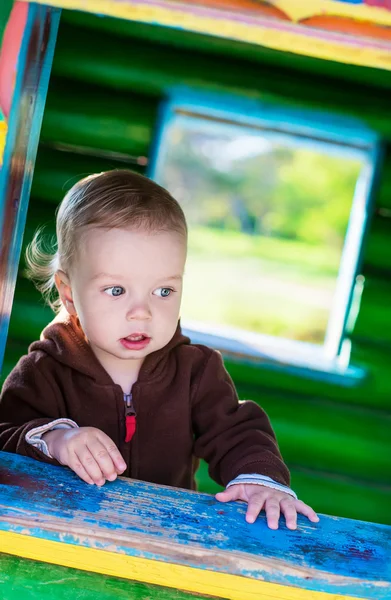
(185, 539)
(96, 117)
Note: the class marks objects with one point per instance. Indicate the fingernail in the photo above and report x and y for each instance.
(112, 477)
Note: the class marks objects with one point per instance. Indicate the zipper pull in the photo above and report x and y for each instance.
(128, 399)
(130, 417)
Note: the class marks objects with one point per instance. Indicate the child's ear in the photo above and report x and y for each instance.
(63, 286)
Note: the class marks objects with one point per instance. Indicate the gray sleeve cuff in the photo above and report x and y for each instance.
(256, 479)
(34, 436)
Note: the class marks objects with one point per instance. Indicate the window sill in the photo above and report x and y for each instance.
(267, 352)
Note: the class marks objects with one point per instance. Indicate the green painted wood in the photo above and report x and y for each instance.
(56, 171)
(353, 498)
(79, 56)
(27, 319)
(40, 214)
(377, 253)
(328, 436)
(384, 195)
(384, 188)
(375, 357)
(374, 391)
(374, 318)
(99, 118)
(221, 47)
(5, 10)
(33, 580)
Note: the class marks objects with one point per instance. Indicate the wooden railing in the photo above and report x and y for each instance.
(184, 540)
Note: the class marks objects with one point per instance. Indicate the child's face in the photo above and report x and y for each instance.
(126, 288)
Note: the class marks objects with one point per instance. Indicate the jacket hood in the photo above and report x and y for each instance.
(64, 340)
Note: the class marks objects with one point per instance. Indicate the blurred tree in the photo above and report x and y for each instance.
(280, 190)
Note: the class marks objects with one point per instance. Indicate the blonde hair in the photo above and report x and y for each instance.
(112, 199)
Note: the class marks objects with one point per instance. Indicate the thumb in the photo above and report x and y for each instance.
(227, 495)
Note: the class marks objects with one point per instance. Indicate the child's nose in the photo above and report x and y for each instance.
(139, 312)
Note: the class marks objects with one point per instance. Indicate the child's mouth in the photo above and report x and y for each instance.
(136, 341)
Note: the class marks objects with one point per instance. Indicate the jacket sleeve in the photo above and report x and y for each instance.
(29, 398)
(233, 437)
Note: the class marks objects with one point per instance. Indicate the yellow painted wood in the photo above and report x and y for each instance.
(3, 134)
(302, 9)
(221, 585)
(262, 32)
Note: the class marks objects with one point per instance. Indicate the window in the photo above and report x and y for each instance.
(276, 204)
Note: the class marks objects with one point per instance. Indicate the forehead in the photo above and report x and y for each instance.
(131, 252)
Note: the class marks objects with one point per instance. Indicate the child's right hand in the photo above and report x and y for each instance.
(89, 452)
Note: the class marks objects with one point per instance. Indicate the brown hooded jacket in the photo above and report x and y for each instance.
(186, 406)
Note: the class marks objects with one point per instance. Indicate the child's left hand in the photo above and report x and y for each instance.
(274, 503)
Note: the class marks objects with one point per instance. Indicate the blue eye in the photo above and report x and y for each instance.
(115, 291)
(163, 292)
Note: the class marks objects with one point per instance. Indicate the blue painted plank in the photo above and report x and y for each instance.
(339, 556)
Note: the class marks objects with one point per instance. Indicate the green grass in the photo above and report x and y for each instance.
(269, 286)
(298, 255)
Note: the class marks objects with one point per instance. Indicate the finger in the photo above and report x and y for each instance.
(255, 505)
(78, 468)
(272, 509)
(116, 457)
(306, 510)
(289, 510)
(231, 493)
(102, 459)
(86, 459)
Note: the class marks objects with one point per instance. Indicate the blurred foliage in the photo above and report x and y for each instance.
(267, 218)
(262, 186)
(234, 279)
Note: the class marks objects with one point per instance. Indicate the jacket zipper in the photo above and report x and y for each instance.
(130, 417)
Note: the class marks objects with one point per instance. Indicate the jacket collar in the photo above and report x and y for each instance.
(64, 340)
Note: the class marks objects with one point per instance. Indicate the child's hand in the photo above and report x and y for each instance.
(88, 451)
(273, 502)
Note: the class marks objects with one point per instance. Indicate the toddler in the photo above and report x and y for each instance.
(113, 386)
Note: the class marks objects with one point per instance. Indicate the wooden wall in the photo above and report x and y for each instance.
(108, 80)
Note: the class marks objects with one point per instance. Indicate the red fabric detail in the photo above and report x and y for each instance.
(130, 427)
